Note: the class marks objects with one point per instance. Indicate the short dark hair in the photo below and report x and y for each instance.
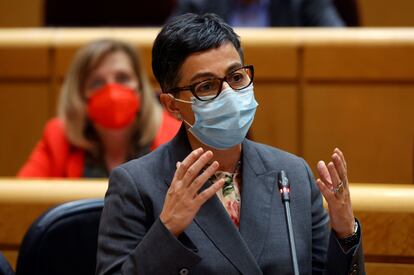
(183, 36)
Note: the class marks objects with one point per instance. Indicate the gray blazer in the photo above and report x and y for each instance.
(281, 12)
(132, 240)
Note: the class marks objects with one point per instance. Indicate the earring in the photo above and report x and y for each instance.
(178, 116)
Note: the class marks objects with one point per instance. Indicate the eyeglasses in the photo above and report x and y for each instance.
(209, 89)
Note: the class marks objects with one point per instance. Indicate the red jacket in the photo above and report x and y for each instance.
(54, 156)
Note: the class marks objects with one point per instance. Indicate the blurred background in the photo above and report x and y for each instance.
(39, 13)
(318, 88)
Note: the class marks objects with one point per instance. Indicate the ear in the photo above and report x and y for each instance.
(168, 103)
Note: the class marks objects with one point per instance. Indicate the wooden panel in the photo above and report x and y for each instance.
(146, 61)
(275, 122)
(65, 54)
(23, 113)
(389, 269)
(24, 62)
(67, 42)
(63, 58)
(392, 61)
(385, 13)
(273, 52)
(143, 40)
(274, 56)
(365, 55)
(19, 218)
(388, 235)
(372, 124)
(272, 61)
(21, 13)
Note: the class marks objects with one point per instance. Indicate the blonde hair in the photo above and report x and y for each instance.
(72, 103)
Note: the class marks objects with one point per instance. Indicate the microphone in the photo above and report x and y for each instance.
(284, 189)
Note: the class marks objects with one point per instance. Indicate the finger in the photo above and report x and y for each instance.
(325, 190)
(194, 170)
(200, 180)
(186, 163)
(209, 192)
(324, 173)
(341, 155)
(334, 174)
(340, 168)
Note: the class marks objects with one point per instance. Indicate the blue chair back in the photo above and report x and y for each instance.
(62, 241)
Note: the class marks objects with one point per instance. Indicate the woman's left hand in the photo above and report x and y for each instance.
(333, 184)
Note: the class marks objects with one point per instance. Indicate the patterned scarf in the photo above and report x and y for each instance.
(229, 195)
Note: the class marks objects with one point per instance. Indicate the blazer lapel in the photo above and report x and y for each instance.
(178, 149)
(258, 195)
(214, 221)
(212, 218)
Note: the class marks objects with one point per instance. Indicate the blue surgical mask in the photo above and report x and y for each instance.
(224, 121)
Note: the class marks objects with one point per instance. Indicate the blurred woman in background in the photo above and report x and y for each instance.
(107, 114)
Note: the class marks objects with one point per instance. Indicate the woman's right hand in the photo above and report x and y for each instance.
(183, 200)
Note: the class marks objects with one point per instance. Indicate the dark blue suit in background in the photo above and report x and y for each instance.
(287, 13)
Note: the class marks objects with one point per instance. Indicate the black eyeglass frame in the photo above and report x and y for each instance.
(191, 87)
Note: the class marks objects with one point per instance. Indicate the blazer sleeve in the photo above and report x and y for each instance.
(38, 164)
(130, 241)
(328, 257)
(44, 159)
(340, 262)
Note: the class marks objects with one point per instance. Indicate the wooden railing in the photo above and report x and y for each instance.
(386, 212)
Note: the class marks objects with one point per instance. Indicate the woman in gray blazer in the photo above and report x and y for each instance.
(207, 202)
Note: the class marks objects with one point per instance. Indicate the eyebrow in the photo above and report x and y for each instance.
(211, 75)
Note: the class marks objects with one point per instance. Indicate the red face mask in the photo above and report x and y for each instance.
(113, 106)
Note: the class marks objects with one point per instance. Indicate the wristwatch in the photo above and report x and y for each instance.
(350, 241)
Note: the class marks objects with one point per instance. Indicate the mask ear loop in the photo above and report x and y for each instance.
(180, 100)
(179, 116)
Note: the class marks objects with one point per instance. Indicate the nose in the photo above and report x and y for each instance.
(225, 85)
(110, 79)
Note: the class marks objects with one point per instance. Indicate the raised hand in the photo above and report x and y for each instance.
(183, 199)
(333, 184)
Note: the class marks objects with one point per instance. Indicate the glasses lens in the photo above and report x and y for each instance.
(207, 89)
(240, 78)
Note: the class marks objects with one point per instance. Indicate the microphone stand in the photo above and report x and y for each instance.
(284, 188)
